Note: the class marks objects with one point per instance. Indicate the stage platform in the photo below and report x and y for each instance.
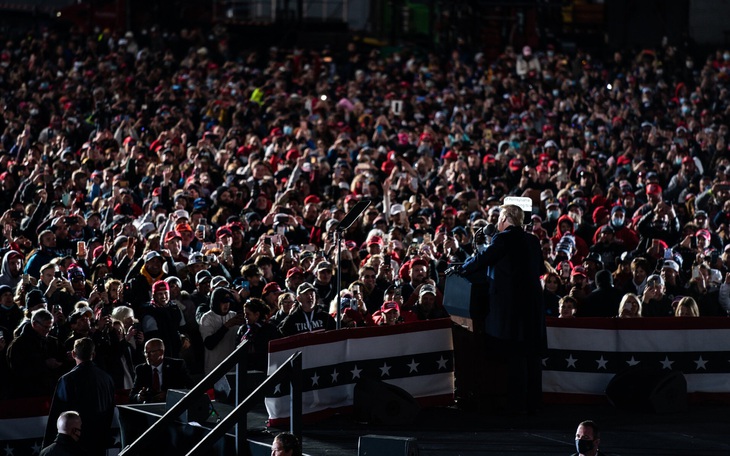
(701, 431)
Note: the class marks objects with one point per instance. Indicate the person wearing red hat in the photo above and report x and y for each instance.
(173, 243)
(270, 295)
(419, 269)
(161, 318)
(390, 313)
(294, 278)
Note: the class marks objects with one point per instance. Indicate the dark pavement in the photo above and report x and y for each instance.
(700, 431)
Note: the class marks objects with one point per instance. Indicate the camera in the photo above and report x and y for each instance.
(100, 285)
(59, 274)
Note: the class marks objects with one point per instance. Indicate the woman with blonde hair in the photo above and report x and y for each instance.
(630, 306)
(687, 307)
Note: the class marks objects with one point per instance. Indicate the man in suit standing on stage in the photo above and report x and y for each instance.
(515, 322)
(159, 374)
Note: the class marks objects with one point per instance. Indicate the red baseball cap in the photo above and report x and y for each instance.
(271, 287)
(653, 189)
(389, 306)
(172, 235)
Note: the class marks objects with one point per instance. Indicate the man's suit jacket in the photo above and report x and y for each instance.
(88, 390)
(513, 264)
(174, 375)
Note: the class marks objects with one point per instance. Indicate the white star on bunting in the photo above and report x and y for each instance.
(356, 372)
(571, 361)
(666, 364)
(385, 370)
(632, 362)
(701, 363)
(602, 363)
(335, 374)
(315, 379)
(442, 362)
(413, 365)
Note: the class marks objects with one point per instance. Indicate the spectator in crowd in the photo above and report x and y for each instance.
(270, 296)
(306, 317)
(568, 306)
(604, 300)
(630, 306)
(285, 303)
(12, 268)
(687, 307)
(161, 318)
(10, 314)
(201, 295)
(218, 328)
(44, 253)
(552, 291)
(655, 303)
(258, 332)
(35, 358)
(427, 307)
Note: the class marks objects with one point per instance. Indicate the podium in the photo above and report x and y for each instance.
(467, 302)
(477, 373)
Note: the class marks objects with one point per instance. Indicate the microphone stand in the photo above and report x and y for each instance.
(344, 224)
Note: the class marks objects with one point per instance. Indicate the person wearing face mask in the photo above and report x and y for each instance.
(552, 214)
(624, 236)
(587, 438)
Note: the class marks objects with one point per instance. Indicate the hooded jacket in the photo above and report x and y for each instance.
(219, 340)
(6, 278)
(581, 248)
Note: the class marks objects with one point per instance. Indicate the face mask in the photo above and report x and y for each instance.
(553, 215)
(583, 446)
(556, 93)
(690, 64)
(685, 110)
(287, 130)
(726, 56)
(618, 222)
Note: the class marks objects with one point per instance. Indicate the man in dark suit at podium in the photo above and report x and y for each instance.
(159, 374)
(515, 321)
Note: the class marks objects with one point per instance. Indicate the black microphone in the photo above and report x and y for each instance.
(490, 229)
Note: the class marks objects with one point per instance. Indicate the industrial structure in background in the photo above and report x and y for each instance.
(483, 25)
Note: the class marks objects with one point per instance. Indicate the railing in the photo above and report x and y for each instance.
(236, 358)
(291, 369)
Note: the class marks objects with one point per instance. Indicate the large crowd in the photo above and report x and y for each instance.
(162, 186)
